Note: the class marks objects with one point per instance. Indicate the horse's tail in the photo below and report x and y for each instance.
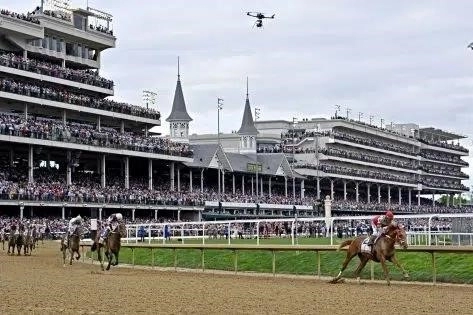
(93, 247)
(343, 244)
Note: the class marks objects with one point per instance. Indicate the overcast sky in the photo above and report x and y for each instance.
(403, 61)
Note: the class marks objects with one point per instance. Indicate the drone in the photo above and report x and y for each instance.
(259, 18)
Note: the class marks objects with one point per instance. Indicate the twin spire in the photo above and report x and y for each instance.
(247, 123)
(179, 110)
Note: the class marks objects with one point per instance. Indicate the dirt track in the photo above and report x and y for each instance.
(40, 285)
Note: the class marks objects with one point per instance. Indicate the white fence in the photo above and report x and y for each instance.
(203, 230)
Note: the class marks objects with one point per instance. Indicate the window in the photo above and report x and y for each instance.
(59, 45)
(69, 49)
(79, 22)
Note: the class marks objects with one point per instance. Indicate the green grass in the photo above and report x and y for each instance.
(453, 268)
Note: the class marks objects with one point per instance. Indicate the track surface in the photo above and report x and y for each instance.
(40, 285)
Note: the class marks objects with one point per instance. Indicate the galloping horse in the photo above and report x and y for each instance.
(111, 245)
(383, 251)
(15, 239)
(28, 242)
(73, 246)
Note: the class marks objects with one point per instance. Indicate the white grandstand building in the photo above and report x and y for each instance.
(67, 149)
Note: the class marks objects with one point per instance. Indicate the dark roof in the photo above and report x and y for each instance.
(202, 154)
(247, 123)
(179, 111)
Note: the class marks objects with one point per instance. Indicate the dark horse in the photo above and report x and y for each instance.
(28, 242)
(73, 246)
(383, 251)
(111, 246)
(15, 240)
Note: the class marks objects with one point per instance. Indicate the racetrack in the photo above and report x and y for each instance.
(40, 285)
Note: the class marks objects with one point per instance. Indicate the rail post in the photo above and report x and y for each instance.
(202, 259)
(149, 234)
(133, 257)
(229, 233)
(257, 233)
(175, 259)
(235, 260)
(203, 233)
(152, 258)
(434, 271)
(274, 262)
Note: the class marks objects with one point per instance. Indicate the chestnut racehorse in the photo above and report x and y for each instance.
(383, 251)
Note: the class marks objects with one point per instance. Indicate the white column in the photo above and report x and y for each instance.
(179, 179)
(25, 111)
(127, 172)
(64, 116)
(389, 194)
(63, 213)
(171, 171)
(102, 172)
(122, 126)
(190, 180)
(223, 181)
(418, 197)
(344, 190)
(379, 193)
(99, 125)
(433, 199)
(233, 184)
(133, 215)
(332, 193)
(178, 215)
(243, 184)
(302, 189)
(21, 211)
(202, 180)
(150, 174)
(285, 186)
(25, 54)
(68, 168)
(400, 195)
(368, 192)
(30, 164)
(155, 215)
(318, 188)
(410, 197)
(269, 186)
(261, 186)
(100, 214)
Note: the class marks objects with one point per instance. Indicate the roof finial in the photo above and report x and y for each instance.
(247, 87)
(178, 73)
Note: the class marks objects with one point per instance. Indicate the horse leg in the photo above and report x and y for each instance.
(116, 259)
(99, 256)
(77, 255)
(348, 258)
(109, 256)
(394, 260)
(385, 269)
(363, 261)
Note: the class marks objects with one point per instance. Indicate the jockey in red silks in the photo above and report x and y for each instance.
(114, 218)
(379, 224)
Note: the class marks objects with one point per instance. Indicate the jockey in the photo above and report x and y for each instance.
(114, 218)
(73, 224)
(379, 224)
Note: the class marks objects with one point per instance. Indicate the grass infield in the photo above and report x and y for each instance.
(452, 268)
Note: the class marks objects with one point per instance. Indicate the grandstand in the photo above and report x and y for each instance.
(66, 148)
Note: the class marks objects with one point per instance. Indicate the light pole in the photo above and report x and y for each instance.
(382, 121)
(371, 120)
(316, 143)
(294, 119)
(360, 115)
(149, 97)
(348, 112)
(337, 109)
(219, 108)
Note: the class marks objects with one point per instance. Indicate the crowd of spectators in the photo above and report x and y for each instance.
(438, 182)
(442, 170)
(449, 158)
(381, 144)
(443, 144)
(57, 130)
(88, 77)
(29, 17)
(355, 155)
(64, 96)
(102, 29)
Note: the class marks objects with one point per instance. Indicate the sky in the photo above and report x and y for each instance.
(402, 61)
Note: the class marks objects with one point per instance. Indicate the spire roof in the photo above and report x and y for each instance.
(247, 123)
(179, 111)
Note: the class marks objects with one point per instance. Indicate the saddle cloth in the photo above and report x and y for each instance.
(365, 248)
